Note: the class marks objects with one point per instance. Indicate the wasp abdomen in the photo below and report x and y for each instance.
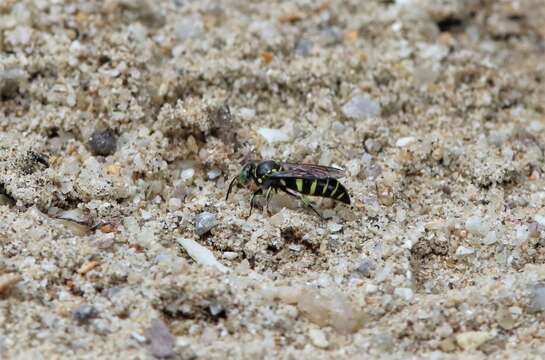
(329, 188)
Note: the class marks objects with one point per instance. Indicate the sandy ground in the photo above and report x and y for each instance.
(123, 121)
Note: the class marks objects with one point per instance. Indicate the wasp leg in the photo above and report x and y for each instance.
(268, 196)
(305, 201)
(257, 192)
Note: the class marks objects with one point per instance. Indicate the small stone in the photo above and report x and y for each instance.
(84, 312)
(230, 255)
(318, 338)
(366, 267)
(476, 226)
(463, 251)
(406, 293)
(372, 146)
(187, 174)
(404, 141)
(273, 135)
(10, 81)
(8, 281)
(246, 113)
(447, 345)
(103, 142)
(204, 222)
(304, 47)
(490, 238)
(139, 338)
(174, 203)
(505, 318)
(217, 310)
(161, 340)
(537, 302)
(334, 228)
(471, 340)
(214, 174)
(361, 107)
(88, 266)
(189, 28)
(540, 219)
(201, 254)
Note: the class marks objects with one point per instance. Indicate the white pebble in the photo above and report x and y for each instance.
(361, 107)
(246, 113)
(540, 219)
(273, 135)
(201, 254)
(140, 338)
(230, 255)
(214, 174)
(174, 203)
(476, 226)
(490, 238)
(146, 215)
(405, 293)
(333, 228)
(404, 141)
(471, 340)
(318, 338)
(462, 251)
(187, 174)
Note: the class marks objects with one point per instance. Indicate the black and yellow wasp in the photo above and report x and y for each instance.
(294, 179)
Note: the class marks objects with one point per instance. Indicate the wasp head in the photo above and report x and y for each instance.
(244, 177)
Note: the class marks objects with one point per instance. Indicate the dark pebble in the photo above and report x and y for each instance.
(103, 142)
(84, 312)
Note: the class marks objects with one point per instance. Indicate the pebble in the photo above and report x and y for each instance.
(366, 267)
(490, 238)
(189, 28)
(84, 312)
(201, 254)
(405, 293)
(505, 318)
(246, 113)
(404, 141)
(187, 174)
(538, 298)
(273, 135)
(213, 174)
(161, 340)
(471, 340)
(103, 142)
(139, 338)
(204, 222)
(361, 107)
(230, 255)
(462, 251)
(10, 81)
(334, 228)
(174, 203)
(304, 47)
(476, 226)
(318, 338)
(76, 215)
(8, 281)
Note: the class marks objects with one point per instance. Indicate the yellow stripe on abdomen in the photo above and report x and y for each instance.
(299, 184)
(313, 187)
(335, 190)
(324, 190)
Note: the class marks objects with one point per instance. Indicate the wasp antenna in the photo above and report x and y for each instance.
(230, 187)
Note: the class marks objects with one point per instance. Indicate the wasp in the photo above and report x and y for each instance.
(294, 179)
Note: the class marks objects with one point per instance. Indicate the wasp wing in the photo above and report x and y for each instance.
(307, 171)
